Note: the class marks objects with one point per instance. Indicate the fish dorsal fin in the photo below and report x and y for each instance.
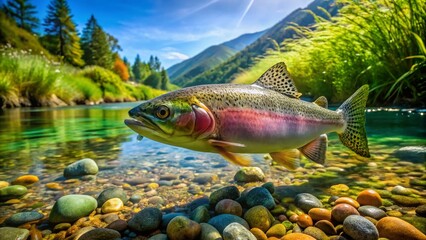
(287, 158)
(315, 150)
(278, 79)
(322, 102)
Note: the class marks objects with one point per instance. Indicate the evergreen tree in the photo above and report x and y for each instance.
(164, 79)
(154, 63)
(129, 68)
(61, 34)
(23, 13)
(154, 80)
(136, 68)
(96, 46)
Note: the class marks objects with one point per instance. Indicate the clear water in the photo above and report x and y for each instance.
(44, 140)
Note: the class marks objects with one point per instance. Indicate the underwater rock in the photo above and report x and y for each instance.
(23, 217)
(110, 193)
(220, 222)
(147, 220)
(69, 208)
(395, 229)
(304, 221)
(249, 174)
(415, 154)
(229, 206)
(306, 201)
(81, 168)
(100, 234)
(208, 232)
(347, 200)
(269, 186)
(369, 197)
(342, 211)
(14, 191)
(160, 236)
(112, 205)
(166, 218)
(204, 178)
(25, 180)
(359, 228)
(228, 192)
(259, 217)
(408, 201)
(297, 236)
(259, 234)
(372, 211)
(201, 214)
(118, 225)
(236, 231)
(326, 226)
(277, 230)
(400, 190)
(11, 233)
(315, 232)
(260, 196)
(318, 214)
(183, 228)
(421, 210)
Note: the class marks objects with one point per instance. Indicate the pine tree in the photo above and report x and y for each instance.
(154, 80)
(23, 13)
(129, 68)
(136, 68)
(61, 34)
(164, 79)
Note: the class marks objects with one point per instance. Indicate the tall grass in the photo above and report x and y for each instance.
(375, 42)
(33, 80)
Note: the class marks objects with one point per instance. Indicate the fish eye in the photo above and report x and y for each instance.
(162, 112)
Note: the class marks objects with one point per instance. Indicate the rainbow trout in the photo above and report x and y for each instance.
(264, 117)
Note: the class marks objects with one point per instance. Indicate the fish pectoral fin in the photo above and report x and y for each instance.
(225, 144)
(316, 150)
(222, 148)
(287, 158)
(322, 102)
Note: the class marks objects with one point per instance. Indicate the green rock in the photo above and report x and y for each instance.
(259, 196)
(315, 232)
(400, 190)
(278, 210)
(72, 207)
(200, 214)
(182, 228)
(249, 174)
(109, 193)
(147, 220)
(13, 191)
(269, 186)
(418, 222)
(208, 232)
(278, 230)
(259, 217)
(288, 225)
(80, 168)
(23, 217)
(408, 201)
(11, 233)
(228, 192)
(418, 182)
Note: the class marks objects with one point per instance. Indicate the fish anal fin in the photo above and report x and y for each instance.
(222, 148)
(322, 102)
(278, 79)
(287, 158)
(316, 149)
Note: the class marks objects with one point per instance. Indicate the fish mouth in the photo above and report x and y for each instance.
(143, 124)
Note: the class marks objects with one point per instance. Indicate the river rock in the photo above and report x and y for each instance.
(297, 236)
(395, 228)
(183, 228)
(208, 232)
(11, 233)
(318, 214)
(25, 180)
(400, 190)
(372, 211)
(23, 217)
(110, 193)
(160, 236)
(3, 184)
(269, 186)
(306, 201)
(147, 220)
(204, 178)
(415, 154)
(80, 168)
(347, 200)
(326, 226)
(14, 191)
(259, 196)
(249, 174)
(359, 228)
(118, 225)
(229, 206)
(228, 192)
(304, 220)
(315, 232)
(341, 211)
(408, 201)
(220, 222)
(236, 231)
(277, 230)
(369, 197)
(135, 198)
(201, 214)
(259, 234)
(166, 218)
(421, 210)
(259, 217)
(100, 234)
(112, 205)
(69, 208)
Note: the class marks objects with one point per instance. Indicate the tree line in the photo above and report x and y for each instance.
(95, 47)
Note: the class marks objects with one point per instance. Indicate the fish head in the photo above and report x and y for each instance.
(174, 121)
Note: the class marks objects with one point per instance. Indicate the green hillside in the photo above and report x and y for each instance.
(227, 71)
(209, 58)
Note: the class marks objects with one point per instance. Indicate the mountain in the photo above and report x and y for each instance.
(226, 71)
(209, 58)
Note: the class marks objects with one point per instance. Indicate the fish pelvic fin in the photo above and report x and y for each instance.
(290, 159)
(354, 135)
(278, 79)
(322, 102)
(221, 148)
(316, 150)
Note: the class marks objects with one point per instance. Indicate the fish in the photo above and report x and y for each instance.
(266, 117)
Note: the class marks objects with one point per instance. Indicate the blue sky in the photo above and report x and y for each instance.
(175, 30)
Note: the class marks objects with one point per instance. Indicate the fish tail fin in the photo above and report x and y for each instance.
(354, 135)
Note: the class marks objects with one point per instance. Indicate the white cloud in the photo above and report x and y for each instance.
(175, 56)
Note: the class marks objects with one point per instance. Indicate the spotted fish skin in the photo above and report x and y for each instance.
(265, 117)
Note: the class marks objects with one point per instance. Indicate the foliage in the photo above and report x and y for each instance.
(23, 13)
(61, 34)
(120, 68)
(373, 42)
